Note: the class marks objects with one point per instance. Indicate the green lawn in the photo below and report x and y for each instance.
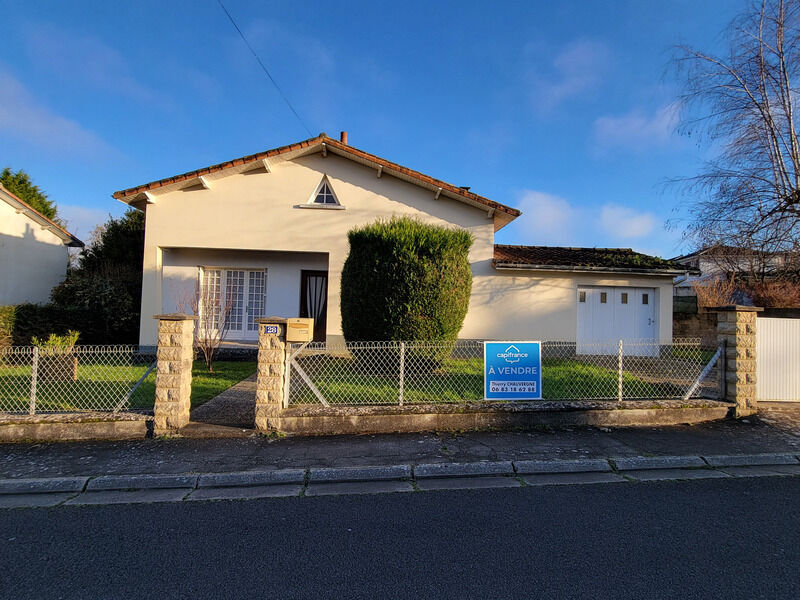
(205, 385)
(341, 381)
(105, 386)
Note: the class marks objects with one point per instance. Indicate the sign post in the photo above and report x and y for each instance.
(512, 370)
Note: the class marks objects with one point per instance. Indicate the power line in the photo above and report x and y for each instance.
(264, 68)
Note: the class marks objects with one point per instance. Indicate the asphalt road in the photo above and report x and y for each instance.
(737, 538)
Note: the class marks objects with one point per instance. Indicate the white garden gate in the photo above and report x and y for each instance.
(778, 359)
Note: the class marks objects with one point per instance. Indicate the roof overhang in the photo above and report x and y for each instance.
(26, 209)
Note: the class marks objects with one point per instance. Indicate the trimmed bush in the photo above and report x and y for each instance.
(405, 280)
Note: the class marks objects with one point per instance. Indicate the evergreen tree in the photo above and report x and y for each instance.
(21, 185)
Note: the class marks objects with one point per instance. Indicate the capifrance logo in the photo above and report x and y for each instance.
(512, 354)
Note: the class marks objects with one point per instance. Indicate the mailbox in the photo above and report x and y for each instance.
(299, 330)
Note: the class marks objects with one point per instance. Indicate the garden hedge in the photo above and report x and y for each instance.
(405, 280)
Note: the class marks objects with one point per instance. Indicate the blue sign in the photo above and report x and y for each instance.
(512, 370)
(271, 329)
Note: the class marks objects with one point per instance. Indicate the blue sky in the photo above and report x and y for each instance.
(562, 109)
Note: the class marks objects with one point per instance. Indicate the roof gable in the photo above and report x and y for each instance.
(501, 213)
(26, 209)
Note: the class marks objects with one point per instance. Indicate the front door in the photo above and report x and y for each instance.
(314, 300)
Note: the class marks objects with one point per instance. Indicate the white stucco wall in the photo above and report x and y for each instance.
(32, 260)
(257, 212)
(544, 305)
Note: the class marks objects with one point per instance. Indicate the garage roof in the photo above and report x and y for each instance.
(558, 258)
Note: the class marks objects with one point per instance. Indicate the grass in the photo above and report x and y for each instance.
(102, 386)
(205, 385)
(341, 381)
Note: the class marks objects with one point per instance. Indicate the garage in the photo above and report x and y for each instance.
(607, 314)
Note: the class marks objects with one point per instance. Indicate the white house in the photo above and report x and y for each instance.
(33, 252)
(719, 262)
(269, 231)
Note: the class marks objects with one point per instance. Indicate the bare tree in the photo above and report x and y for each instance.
(745, 104)
(213, 322)
(715, 292)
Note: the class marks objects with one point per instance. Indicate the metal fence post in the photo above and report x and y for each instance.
(34, 377)
(722, 368)
(619, 379)
(402, 370)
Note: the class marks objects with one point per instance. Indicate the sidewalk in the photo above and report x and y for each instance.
(774, 431)
(177, 470)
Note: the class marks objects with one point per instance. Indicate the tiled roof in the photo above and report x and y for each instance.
(388, 166)
(23, 207)
(581, 259)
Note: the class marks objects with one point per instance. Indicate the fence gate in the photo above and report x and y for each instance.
(778, 359)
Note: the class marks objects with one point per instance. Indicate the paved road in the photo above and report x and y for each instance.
(695, 539)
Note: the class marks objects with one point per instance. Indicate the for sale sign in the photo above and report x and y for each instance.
(512, 370)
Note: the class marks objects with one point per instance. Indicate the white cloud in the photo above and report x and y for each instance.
(624, 222)
(636, 130)
(22, 117)
(88, 60)
(80, 221)
(551, 218)
(576, 69)
(548, 219)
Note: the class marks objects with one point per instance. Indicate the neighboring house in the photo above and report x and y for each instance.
(34, 252)
(719, 262)
(269, 231)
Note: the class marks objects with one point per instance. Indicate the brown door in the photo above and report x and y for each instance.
(314, 300)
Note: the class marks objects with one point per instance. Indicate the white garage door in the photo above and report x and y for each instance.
(609, 314)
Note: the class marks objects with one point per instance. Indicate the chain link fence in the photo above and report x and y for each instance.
(83, 378)
(373, 373)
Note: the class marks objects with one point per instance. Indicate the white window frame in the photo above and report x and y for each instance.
(312, 201)
(245, 333)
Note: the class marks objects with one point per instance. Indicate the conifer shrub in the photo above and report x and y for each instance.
(405, 280)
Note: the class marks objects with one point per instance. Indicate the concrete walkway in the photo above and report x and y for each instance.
(235, 407)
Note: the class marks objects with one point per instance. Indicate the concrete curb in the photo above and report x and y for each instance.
(658, 467)
(751, 460)
(587, 465)
(141, 482)
(639, 463)
(359, 473)
(42, 485)
(463, 469)
(251, 478)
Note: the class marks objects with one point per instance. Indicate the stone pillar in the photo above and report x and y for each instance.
(736, 327)
(174, 357)
(271, 364)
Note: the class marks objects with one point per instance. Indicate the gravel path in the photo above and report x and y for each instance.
(234, 407)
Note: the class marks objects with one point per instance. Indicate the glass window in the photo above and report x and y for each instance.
(325, 195)
(581, 296)
(645, 299)
(603, 297)
(624, 297)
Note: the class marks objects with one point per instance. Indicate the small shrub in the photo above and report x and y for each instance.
(57, 344)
